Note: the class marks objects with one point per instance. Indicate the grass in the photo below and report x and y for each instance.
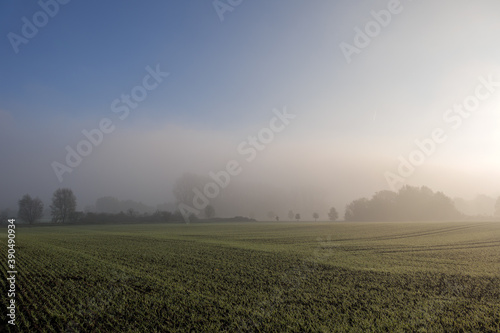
(258, 277)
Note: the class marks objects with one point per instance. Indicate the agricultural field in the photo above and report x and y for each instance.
(257, 277)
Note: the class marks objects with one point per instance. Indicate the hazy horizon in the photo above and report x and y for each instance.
(350, 117)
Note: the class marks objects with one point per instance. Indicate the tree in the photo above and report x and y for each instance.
(357, 210)
(30, 209)
(332, 214)
(383, 206)
(132, 213)
(408, 204)
(315, 216)
(63, 205)
(290, 215)
(497, 207)
(297, 216)
(185, 186)
(209, 211)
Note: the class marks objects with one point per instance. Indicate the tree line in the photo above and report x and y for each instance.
(62, 209)
(408, 204)
(110, 210)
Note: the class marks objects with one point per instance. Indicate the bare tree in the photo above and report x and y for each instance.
(30, 209)
(209, 211)
(332, 214)
(297, 216)
(132, 213)
(184, 187)
(315, 216)
(63, 205)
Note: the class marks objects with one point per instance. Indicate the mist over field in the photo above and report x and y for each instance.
(250, 166)
(175, 88)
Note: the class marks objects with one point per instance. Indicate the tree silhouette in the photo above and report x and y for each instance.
(30, 209)
(332, 214)
(297, 216)
(315, 216)
(209, 211)
(408, 204)
(63, 205)
(357, 210)
(184, 186)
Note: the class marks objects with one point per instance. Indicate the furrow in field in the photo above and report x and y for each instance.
(410, 235)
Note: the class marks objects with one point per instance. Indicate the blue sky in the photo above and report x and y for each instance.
(92, 51)
(225, 78)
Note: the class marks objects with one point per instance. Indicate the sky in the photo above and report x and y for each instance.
(318, 103)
